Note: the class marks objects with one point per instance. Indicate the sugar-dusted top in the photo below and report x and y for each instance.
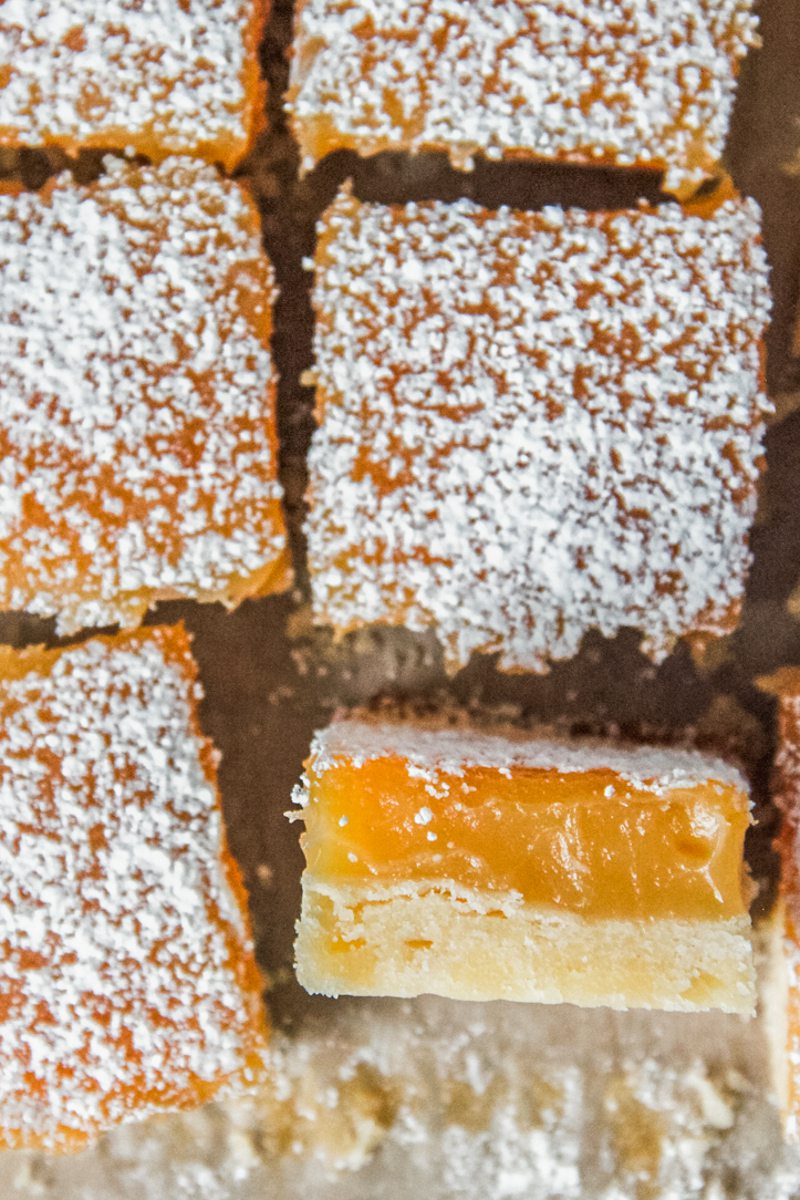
(126, 971)
(785, 684)
(136, 396)
(441, 750)
(649, 82)
(166, 76)
(535, 424)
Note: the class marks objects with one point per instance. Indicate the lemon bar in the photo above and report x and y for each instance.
(534, 424)
(487, 866)
(137, 397)
(626, 83)
(175, 77)
(128, 981)
(781, 992)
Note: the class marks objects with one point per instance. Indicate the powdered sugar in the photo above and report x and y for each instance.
(136, 396)
(784, 994)
(127, 974)
(631, 81)
(164, 76)
(533, 424)
(447, 1099)
(785, 684)
(437, 753)
(787, 1051)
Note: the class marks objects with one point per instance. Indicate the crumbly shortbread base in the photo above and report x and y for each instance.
(355, 942)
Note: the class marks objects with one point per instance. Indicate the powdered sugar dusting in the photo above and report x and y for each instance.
(436, 753)
(535, 424)
(786, 685)
(786, 789)
(165, 76)
(457, 1102)
(137, 423)
(786, 784)
(631, 81)
(791, 1050)
(127, 977)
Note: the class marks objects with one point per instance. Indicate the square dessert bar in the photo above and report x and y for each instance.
(488, 866)
(533, 424)
(625, 83)
(782, 990)
(177, 77)
(127, 979)
(137, 397)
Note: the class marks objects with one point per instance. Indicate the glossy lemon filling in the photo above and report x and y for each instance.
(588, 842)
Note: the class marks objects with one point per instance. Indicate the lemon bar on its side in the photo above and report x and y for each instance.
(781, 993)
(496, 866)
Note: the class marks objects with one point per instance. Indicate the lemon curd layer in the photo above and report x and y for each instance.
(590, 841)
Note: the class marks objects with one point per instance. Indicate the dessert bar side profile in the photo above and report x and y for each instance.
(487, 867)
(782, 992)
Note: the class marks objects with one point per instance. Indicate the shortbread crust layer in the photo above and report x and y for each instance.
(368, 944)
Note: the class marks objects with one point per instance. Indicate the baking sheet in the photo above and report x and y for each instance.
(390, 1099)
